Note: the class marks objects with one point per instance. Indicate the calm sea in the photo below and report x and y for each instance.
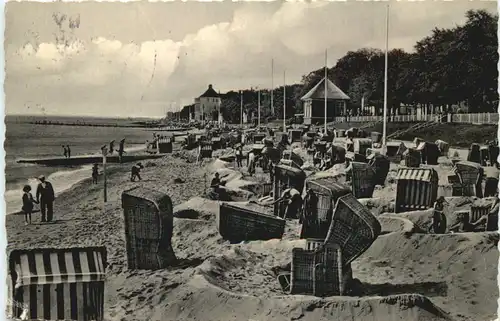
(25, 140)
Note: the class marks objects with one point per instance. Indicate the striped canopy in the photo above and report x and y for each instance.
(53, 266)
(416, 174)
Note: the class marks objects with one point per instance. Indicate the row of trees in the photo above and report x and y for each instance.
(450, 67)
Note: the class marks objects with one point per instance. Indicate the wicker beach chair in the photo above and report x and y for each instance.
(395, 151)
(294, 157)
(363, 180)
(148, 216)
(484, 155)
(470, 175)
(413, 158)
(381, 165)
(289, 176)
(474, 153)
(361, 145)
(295, 135)
(444, 147)
(376, 137)
(353, 227)
(430, 153)
(238, 223)
(327, 191)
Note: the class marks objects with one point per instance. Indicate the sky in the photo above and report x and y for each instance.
(118, 59)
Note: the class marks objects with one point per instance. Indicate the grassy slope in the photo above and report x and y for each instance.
(458, 135)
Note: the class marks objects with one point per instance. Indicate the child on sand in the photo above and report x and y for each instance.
(28, 202)
(135, 172)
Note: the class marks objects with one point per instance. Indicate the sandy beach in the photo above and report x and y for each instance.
(405, 275)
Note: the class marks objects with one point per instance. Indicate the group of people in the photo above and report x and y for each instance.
(120, 150)
(66, 151)
(45, 196)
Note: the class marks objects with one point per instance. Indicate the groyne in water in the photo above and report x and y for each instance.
(87, 159)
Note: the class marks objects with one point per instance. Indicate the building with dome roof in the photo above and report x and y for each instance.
(314, 103)
(207, 106)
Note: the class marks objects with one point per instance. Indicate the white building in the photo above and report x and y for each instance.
(207, 106)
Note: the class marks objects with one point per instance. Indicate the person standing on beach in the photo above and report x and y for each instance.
(239, 156)
(69, 151)
(95, 173)
(65, 151)
(45, 196)
(121, 149)
(111, 147)
(28, 202)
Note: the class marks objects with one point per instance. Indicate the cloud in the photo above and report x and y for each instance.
(113, 77)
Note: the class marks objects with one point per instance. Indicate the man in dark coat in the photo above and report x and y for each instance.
(45, 196)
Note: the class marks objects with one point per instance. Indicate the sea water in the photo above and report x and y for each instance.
(24, 140)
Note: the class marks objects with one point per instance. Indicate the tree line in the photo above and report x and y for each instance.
(453, 67)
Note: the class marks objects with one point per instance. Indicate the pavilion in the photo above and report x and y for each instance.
(314, 103)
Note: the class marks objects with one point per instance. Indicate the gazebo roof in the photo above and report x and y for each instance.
(333, 92)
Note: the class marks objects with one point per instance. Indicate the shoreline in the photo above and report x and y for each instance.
(81, 172)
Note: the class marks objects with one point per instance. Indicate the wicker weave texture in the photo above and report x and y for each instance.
(327, 277)
(148, 229)
(237, 224)
(353, 227)
(363, 180)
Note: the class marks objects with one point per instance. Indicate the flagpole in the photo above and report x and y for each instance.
(326, 79)
(259, 108)
(284, 101)
(241, 109)
(272, 86)
(384, 130)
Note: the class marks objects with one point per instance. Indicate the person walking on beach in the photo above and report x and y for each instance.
(65, 151)
(135, 172)
(95, 173)
(28, 202)
(121, 149)
(45, 196)
(69, 151)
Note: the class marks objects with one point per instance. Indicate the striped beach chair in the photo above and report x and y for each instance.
(479, 209)
(363, 180)
(58, 284)
(471, 176)
(148, 216)
(165, 145)
(416, 189)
